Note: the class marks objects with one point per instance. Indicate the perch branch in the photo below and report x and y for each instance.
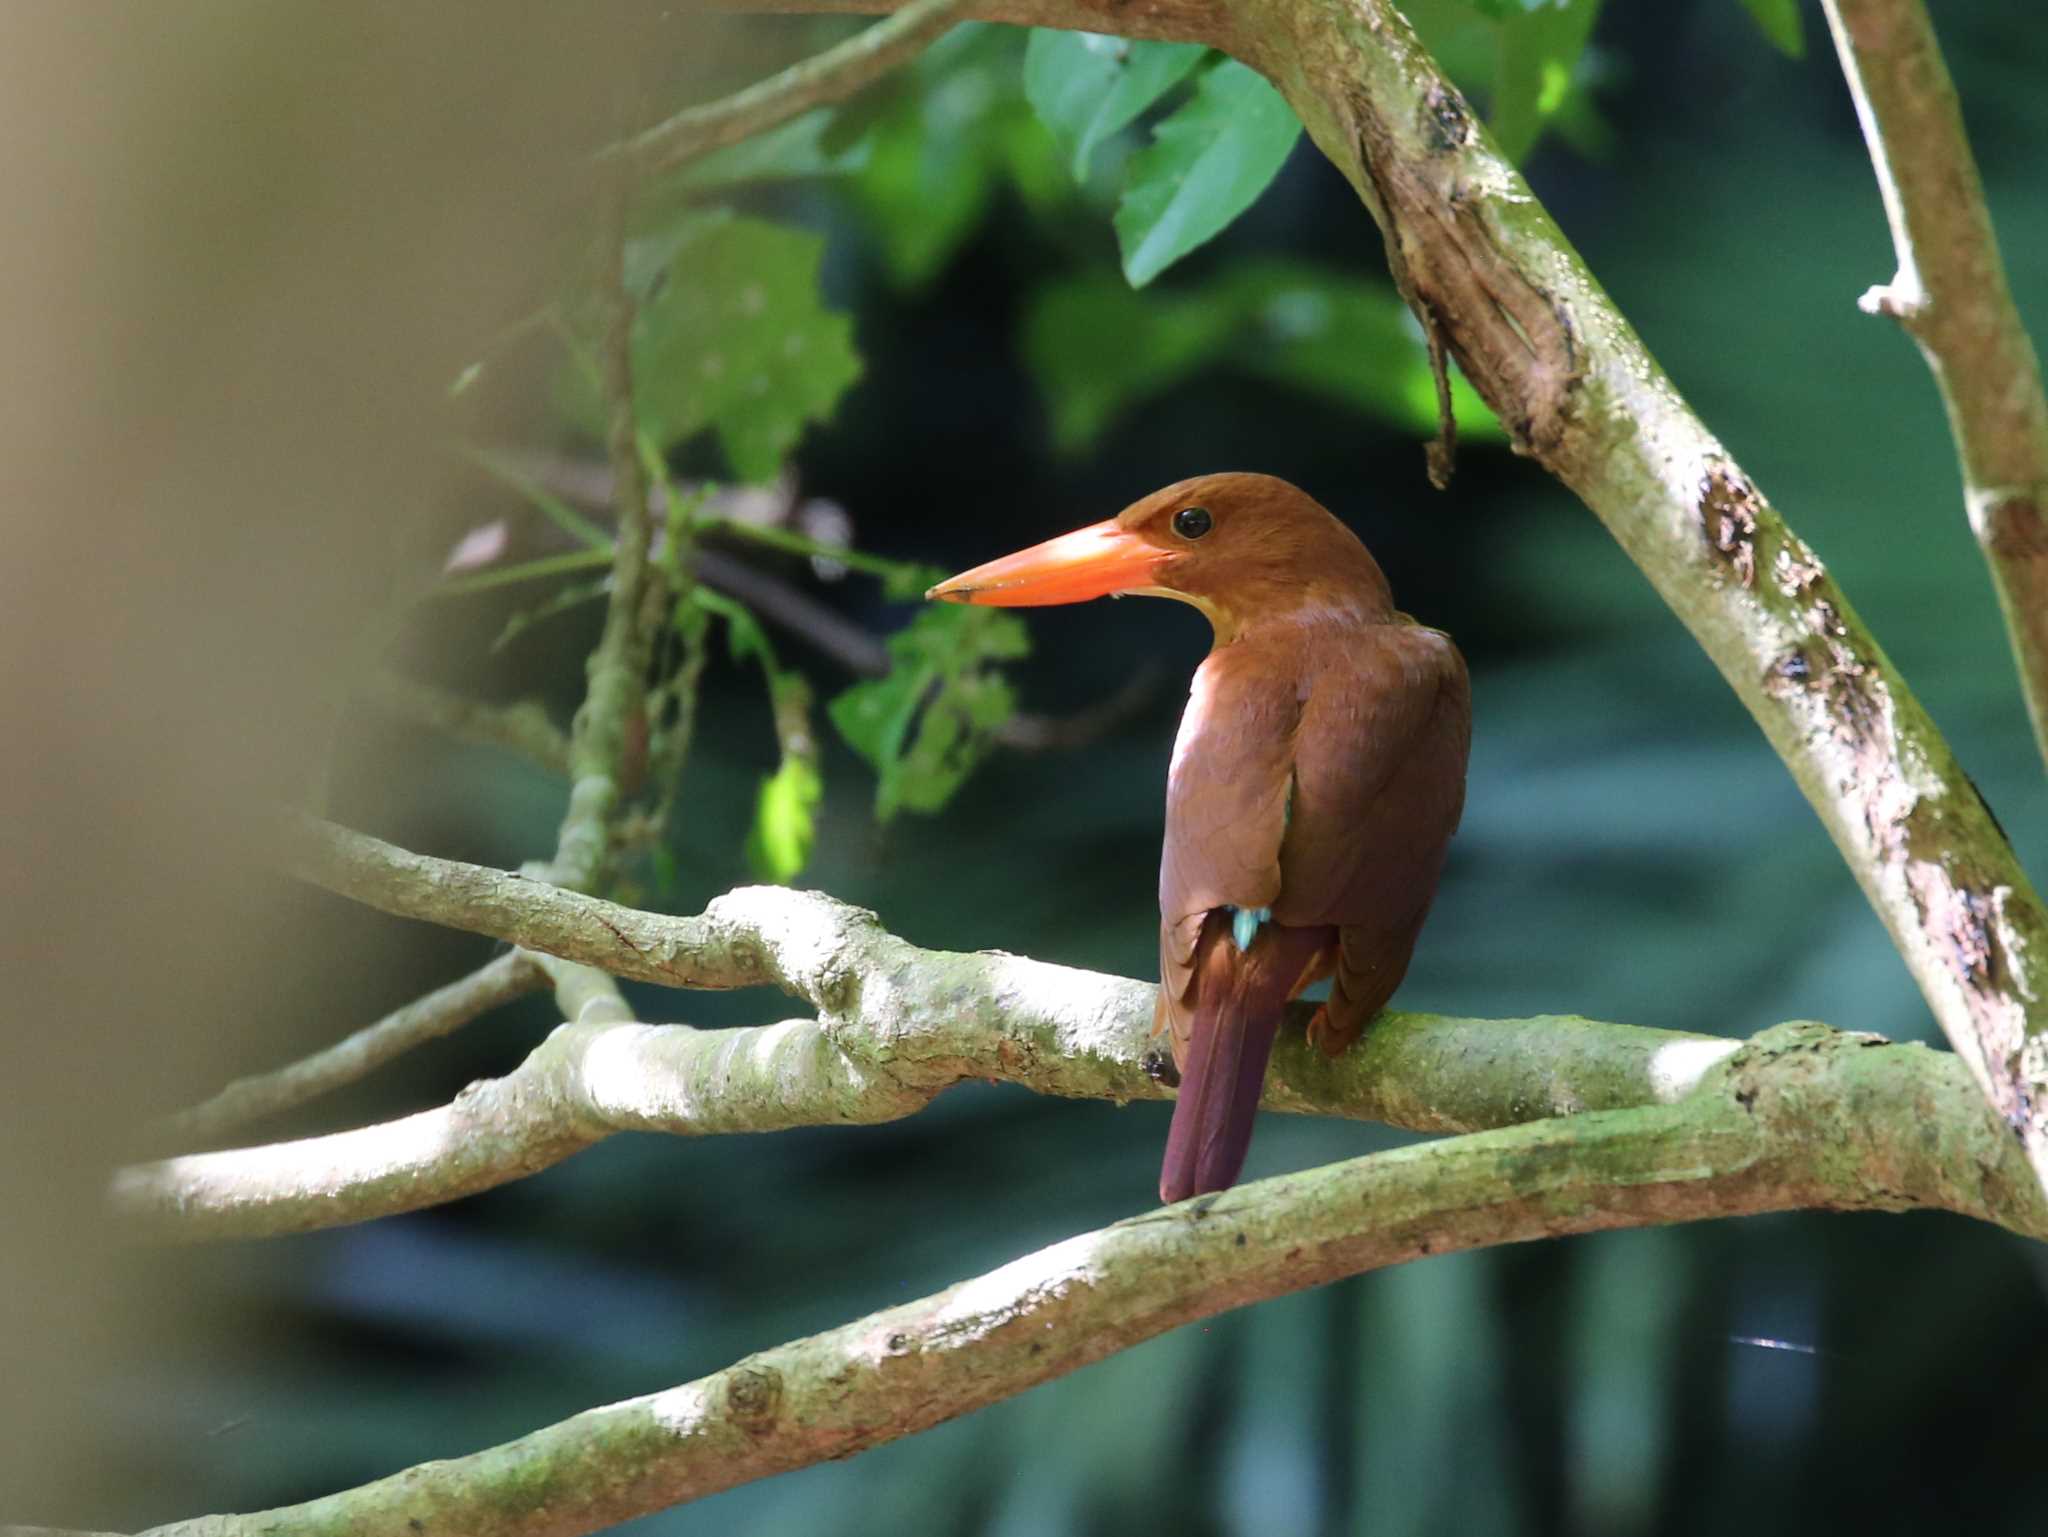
(1951, 296)
(426, 1018)
(1481, 261)
(830, 77)
(1800, 1117)
(896, 1026)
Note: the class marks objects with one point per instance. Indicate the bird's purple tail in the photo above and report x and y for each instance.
(1240, 996)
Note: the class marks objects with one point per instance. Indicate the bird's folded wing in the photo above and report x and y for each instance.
(1379, 787)
(1227, 796)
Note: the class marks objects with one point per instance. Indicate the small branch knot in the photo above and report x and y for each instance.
(753, 1397)
(1900, 303)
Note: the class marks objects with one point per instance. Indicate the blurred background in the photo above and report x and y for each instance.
(254, 247)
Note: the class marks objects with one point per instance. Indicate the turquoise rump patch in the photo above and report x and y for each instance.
(1244, 924)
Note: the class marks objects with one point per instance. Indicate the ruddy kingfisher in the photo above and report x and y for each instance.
(1315, 783)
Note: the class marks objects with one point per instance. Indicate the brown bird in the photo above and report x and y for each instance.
(1315, 784)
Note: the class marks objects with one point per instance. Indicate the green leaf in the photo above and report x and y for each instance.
(925, 724)
(1098, 348)
(1780, 21)
(956, 130)
(785, 822)
(1534, 78)
(1206, 165)
(1085, 86)
(785, 819)
(735, 338)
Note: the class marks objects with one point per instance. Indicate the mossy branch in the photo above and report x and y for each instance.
(897, 1025)
(1800, 1117)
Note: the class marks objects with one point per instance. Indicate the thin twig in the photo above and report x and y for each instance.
(1951, 296)
(522, 728)
(439, 1013)
(830, 77)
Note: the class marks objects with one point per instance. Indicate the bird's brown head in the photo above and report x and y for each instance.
(1237, 546)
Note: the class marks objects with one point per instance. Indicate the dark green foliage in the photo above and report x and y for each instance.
(956, 131)
(926, 724)
(1097, 348)
(1539, 52)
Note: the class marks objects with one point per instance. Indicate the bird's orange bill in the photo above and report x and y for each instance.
(1091, 562)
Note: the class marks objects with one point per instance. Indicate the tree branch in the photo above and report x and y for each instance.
(1480, 260)
(439, 1013)
(1951, 297)
(830, 77)
(614, 701)
(1800, 1117)
(897, 1026)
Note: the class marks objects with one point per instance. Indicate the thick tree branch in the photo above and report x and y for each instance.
(897, 1025)
(1800, 1117)
(1482, 263)
(1951, 296)
(830, 77)
(441, 1012)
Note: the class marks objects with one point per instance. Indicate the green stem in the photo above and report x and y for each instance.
(525, 571)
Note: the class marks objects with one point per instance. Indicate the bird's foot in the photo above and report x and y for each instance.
(1326, 1035)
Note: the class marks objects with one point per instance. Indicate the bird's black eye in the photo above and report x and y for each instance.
(1192, 522)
